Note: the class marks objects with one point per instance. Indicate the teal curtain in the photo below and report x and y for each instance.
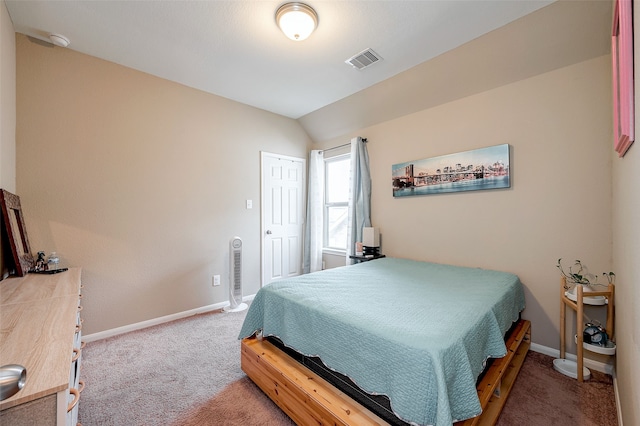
(359, 195)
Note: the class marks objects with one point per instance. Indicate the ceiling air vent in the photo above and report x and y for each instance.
(364, 59)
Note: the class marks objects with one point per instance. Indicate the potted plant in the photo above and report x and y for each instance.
(579, 275)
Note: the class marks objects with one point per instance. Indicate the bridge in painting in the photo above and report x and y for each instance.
(405, 176)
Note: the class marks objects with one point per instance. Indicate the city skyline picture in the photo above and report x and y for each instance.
(478, 169)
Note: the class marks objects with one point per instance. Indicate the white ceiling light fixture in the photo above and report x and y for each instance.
(59, 40)
(296, 20)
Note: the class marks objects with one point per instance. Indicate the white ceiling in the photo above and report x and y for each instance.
(234, 49)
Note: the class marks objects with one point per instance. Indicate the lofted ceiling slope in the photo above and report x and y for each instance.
(556, 36)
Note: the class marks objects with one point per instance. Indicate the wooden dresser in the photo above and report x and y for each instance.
(40, 328)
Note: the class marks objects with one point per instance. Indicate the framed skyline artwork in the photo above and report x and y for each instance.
(479, 169)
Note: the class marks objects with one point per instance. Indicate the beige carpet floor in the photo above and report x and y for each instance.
(187, 372)
(542, 396)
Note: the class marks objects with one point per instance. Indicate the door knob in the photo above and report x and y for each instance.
(269, 232)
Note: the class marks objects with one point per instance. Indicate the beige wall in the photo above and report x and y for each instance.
(7, 114)
(7, 101)
(559, 127)
(626, 252)
(140, 181)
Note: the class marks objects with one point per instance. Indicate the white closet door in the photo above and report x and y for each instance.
(283, 189)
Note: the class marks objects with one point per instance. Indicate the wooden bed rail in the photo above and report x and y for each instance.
(310, 400)
(496, 384)
(300, 393)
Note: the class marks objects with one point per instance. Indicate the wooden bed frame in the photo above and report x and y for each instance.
(308, 399)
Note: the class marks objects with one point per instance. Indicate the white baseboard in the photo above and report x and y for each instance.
(615, 390)
(144, 324)
(595, 365)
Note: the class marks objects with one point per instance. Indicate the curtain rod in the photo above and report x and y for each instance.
(341, 146)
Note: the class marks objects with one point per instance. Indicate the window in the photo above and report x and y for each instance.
(336, 202)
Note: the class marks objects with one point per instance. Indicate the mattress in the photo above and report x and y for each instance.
(417, 332)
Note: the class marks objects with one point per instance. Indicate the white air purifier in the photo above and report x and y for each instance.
(235, 276)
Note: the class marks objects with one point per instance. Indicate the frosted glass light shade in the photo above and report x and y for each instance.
(296, 20)
(59, 40)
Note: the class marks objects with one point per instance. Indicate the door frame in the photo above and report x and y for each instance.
(264, 154)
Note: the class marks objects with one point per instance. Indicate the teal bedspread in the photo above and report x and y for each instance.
(417, 332)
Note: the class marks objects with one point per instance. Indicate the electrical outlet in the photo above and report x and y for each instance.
(216, 280)
(249, 204)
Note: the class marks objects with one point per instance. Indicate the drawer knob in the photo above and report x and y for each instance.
(76, 398)
(12, 378)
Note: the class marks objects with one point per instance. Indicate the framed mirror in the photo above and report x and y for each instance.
(17, 232)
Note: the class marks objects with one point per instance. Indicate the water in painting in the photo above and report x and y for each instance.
(484, 168)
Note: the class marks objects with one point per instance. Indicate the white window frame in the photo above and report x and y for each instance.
(327, 205)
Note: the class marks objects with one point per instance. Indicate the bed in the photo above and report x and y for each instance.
(418, 333)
